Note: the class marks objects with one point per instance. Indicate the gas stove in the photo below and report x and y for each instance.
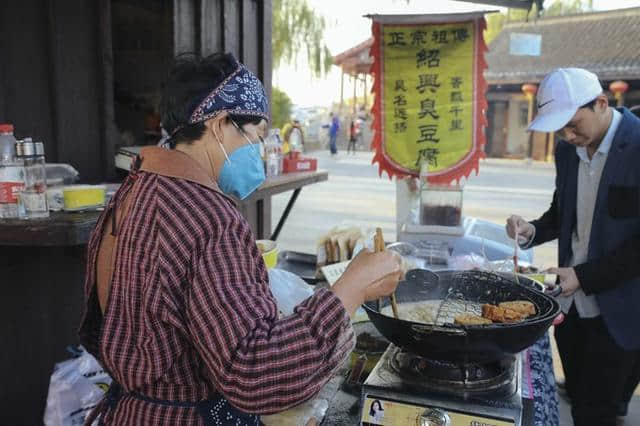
(405, 389)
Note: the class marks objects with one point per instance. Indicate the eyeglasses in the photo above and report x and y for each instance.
(246, 135)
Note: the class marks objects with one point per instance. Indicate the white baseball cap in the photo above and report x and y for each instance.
(562, 92)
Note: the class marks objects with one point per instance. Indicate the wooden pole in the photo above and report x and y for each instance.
(531, 99)
(355, 94)
(341, 89)
(365, 90)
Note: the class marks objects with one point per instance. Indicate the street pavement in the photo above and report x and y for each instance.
(356, 195)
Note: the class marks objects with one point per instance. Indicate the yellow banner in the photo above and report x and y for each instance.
(428, 83)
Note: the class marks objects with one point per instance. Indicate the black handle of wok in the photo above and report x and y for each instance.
(427, 330)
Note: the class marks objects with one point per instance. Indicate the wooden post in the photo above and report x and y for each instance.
(184, 27)
(530, 91)
(266, 64)
(355, 94)
(365, 90)
(108, 129)
(549, 156)
(531, 99)
(210, 27)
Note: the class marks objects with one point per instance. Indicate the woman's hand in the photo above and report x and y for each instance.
(369, 276)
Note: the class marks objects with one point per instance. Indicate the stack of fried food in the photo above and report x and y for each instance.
(505, 312)
(337, 245)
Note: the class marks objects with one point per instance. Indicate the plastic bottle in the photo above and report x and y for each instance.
(7, 143)
(33, 196)
(271, 154)
(279, 151)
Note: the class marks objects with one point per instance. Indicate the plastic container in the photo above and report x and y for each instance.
(441, 205)
(83, 197)
(269, 250)
(433, 252)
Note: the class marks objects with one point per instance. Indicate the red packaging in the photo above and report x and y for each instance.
(291, 164)
(9, 191)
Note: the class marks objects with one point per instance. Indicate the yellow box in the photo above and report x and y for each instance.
(269, 250)
(82, 197)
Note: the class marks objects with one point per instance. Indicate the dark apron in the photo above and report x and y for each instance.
(215, 411)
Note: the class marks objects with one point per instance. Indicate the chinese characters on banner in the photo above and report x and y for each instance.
(429, 94)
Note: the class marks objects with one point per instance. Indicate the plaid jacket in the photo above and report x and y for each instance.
(190, 313)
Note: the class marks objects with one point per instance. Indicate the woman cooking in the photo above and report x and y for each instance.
(178, 306)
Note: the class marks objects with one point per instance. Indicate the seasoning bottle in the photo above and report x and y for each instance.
(33, 196)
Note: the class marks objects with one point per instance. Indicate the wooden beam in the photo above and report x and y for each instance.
(355, 93)
(108, 130)
(232, 30)
(77, 84)
(513, 4)
(250, 36)
(266, 62)
(211, 27)
(184, 26)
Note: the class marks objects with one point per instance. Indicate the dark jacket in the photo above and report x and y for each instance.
(612, 271)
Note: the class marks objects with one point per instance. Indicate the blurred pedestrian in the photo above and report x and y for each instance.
(353, 135)
(334, 127)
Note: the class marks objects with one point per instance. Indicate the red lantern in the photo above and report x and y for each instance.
(619, 86)
(529, 89)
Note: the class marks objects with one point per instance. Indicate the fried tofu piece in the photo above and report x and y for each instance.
(471, 319)
(523, 306)
(498, 314)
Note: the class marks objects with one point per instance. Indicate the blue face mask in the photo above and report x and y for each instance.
(243, 171)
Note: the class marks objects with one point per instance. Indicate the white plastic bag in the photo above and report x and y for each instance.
(288, 289)
(76, 386)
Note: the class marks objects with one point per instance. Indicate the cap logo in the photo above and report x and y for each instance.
(545, 103)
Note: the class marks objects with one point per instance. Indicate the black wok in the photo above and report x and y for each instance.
(465, 344)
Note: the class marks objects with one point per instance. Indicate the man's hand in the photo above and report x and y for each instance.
(525, 229)
(568, 279)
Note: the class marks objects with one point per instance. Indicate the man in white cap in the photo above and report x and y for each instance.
(595, 215)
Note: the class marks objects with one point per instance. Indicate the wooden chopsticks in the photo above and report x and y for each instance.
(378, 244)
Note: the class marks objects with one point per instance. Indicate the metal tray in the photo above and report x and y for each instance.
(301, 264)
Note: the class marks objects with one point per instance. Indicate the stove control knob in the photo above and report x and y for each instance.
(434, 417)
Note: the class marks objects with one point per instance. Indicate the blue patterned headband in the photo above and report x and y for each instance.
(241, 93)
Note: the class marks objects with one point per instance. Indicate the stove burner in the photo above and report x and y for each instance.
(450, 377)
